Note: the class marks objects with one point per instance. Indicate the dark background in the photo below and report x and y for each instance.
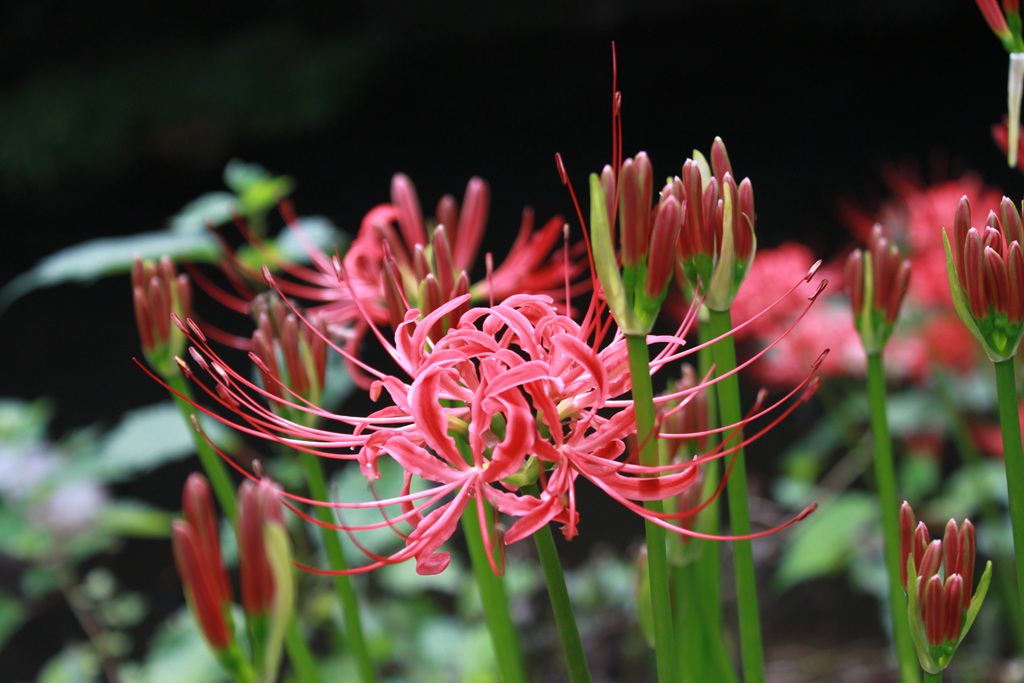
(113, 115)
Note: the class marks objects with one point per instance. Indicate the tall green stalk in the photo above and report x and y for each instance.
(702, 652)
(1013, 459)
(1004, 571)
(342, 583)
(657, 556)
(565, 619)
(213, 466)
(885, 480)
(495, 604)
(728, 390)
(299, 654)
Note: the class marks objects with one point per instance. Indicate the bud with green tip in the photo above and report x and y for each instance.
(942, 608)
(716, 244)
(636, 290)
(264, 563)
(197, 555)
(986, 277)
(877, 280)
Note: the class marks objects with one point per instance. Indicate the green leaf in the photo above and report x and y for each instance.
(293, 245)
(145, 439)
(73, 665)
(177, 653)
(212, 208)
(24, 421)
(88, 261)
(824, 542)
(135, 519)
(12, 616)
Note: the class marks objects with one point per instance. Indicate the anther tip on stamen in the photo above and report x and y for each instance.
(812, 271)
(560, 165)
(821, 288)
(268, 276)
(257, 468)
(195, 423)
(806, 511)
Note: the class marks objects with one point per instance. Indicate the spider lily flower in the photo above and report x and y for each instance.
(395, 250)
(264, 565)
(942, 608)
(877, 280)
(986, 277)
(197, 556)
(515, 393)
(1006, 23)
(717, 243)
(158, 290)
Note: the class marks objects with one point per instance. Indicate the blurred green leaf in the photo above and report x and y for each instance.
(136, 519)
(97, 258)
(823, 543)
(177, 653)
(212, 208)
(79, 664)
(24, 421)
(12, 616)
(293, 245)
(967, 490)
(258, 191)
(919, 477)
(143, 440)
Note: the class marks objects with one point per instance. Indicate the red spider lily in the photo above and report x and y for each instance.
(258, 506)
(941, 608)
(514, 393)
(986, 277)
(877, 281)
(157, 292)
(394, 255)
(196, 546)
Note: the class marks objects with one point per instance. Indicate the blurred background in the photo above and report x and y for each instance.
(114, 115)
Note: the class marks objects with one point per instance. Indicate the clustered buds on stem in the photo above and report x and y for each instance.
(647, 237)
(717, 243)
(197, 555)
(986, 277)
(292, 355)
(877, 281)
(1006, 24)
(157, 292)
(941, 609)
(264, 567)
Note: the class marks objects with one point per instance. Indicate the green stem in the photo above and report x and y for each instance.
(728, 390)
(885, 480)
(703, 654)
(216, 471)
(565, 619)
(657, 556)
(495, 604)
(300, 655)
(336, 557)
(932, 678)
(1003, 573)
(1013, 459)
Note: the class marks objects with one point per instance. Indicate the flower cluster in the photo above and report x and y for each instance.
(986, 277)
(263, 559)
(942, 608)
